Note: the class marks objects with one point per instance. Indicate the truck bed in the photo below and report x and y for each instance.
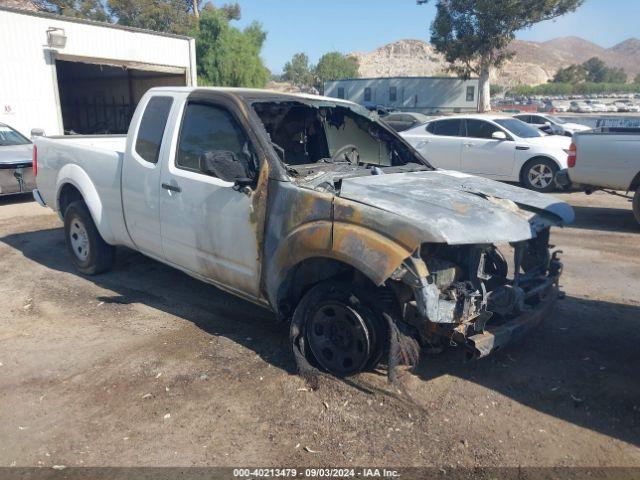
(606, 158)
(98, 160)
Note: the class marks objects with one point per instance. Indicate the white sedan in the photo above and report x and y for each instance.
(500, 148)
(552, 124)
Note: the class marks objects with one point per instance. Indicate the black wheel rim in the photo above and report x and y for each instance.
(339, 338)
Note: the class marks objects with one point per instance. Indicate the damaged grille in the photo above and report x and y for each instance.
(470, 284)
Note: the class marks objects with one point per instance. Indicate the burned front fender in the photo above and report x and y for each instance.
(306, 224)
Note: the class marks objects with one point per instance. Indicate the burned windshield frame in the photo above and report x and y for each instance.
(273, 116)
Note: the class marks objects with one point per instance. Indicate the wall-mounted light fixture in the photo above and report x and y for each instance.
(56, 37)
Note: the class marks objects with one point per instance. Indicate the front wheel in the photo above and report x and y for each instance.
(538, 174)
(636, 205)
(339, 328)
(89, 252)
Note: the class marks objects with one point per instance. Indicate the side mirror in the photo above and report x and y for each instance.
(499, 135)
(547, 124)
(37, 132)
(224, 165)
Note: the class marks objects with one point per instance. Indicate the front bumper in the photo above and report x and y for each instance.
(562, 178)
(493, 339)
(16, 178)
(38, 198)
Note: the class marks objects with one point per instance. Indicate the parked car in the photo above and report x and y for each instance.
(560, 107)
(580, 107)
(605, 158)
(16, 172)
(401, 121)
(501, 148)
(597, 107)
(551, 124)
(315, 209)
(622, 106)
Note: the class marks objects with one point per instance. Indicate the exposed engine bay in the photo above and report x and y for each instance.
(468, 290)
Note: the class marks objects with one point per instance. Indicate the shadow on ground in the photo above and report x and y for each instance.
(15, 199)
(606, 219)
(580, 366)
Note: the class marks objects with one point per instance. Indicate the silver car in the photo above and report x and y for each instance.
(16, 169)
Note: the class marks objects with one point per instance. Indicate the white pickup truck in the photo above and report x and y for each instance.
(311, 207)
(607, 158)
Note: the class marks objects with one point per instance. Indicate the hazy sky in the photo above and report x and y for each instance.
(316, 27)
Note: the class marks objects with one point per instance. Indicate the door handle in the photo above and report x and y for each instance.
(171, 188)
(467, 144)
(423, 144)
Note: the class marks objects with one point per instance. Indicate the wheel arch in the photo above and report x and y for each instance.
(321, 251)
(635, 183)
(302, 276)
(74, 184)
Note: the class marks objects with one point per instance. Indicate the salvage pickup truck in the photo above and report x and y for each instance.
(607, 159)
(311, 207)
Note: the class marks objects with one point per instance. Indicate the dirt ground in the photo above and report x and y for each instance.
(146, 366)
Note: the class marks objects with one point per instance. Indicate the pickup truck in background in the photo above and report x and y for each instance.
(608, 159)
(311, 207)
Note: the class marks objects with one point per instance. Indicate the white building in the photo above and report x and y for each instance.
(411, 94)
(64, 74)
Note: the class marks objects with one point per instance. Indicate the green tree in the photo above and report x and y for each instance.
(593, 70)
(637, 79)
(334, 66)
(596, 70)
(227, 56)
(616, 75)
(473, 35)
(298, 71)
(172, 16)
(571, 74)
(89, 9)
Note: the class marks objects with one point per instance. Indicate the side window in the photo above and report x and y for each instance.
(340, 92)
(447, 128)
(536, 120)
(480, 129)
(524, 118)
(154, 120)
(367, 94)
(471, 93)
(393, 94)
(207, 128)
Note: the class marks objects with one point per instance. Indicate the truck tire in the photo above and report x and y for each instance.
(636, 205)
(539, 174)
(339, 329)
(89, 252)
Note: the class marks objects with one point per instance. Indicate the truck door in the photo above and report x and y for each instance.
(141, 175)
(206, 222)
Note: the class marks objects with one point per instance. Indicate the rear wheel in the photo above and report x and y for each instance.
(89, 252)
(636, 205)
(538, 174)
(343, 330)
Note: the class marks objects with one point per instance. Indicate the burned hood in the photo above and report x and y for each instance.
(452, 207)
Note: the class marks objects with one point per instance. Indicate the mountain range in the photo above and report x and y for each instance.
(533, 63)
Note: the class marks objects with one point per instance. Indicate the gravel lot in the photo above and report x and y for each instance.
(146, 366)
